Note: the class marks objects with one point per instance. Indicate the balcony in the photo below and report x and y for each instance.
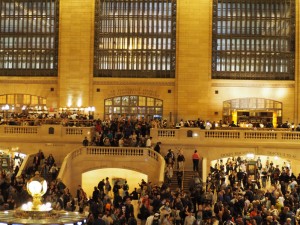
(241, 137)
(45, 133)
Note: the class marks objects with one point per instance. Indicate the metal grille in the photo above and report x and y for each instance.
(253, 39)
(135, 38)
(29, 37)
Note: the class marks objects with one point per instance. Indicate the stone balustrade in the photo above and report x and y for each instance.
(47, 132)
(84, 159)
(198, 135)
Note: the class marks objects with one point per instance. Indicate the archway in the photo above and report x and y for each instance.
(133, 107)
(275, 160)
(91, 178)
(253, 112)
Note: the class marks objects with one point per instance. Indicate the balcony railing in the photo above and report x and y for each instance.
(47, 132)
(197, 134)
(144, 160)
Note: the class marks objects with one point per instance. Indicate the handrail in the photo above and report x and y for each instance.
(64, 164)
(225, 134)
(50, 121)
(26, 162)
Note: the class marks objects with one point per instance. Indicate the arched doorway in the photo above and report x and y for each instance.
(133, 107)
(261, 171)
(253, 111)
(90, 179)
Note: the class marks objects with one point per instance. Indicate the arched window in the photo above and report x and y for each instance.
(132, 106)
(252, 110)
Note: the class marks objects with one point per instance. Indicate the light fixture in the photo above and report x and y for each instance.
(250, 156)
(36, 187)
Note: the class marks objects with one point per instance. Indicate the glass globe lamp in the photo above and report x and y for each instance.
(36, 187)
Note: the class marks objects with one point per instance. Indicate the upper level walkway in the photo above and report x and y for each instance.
(44, 133)
(226, 136)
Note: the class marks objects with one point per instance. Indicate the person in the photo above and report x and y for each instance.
(149, 142)
(85, 142)
(169, 173)
(196, 159)
(144, 213)
(153, 219)
(179, 178)
(116, 189)
(129, 209)
(180, 160)
(53, 171)
(125, 188)
(157, 147)
(264, 175)
(107, 186)
(101, 185)
(170, 157)
(189, 219)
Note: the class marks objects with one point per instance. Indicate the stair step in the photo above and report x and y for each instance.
(188, 175)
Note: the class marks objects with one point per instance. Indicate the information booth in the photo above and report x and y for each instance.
(252, 170)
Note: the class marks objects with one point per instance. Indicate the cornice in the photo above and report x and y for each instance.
(28, 81)
(135, 83)
(254, 85)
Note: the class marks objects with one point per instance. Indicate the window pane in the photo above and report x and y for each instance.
(133, 107)
(29, 37)
(135, 38)
(142, 101)
(253, 40)
(2, 99)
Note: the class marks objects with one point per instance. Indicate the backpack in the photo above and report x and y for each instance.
(132, 221)
(155, 222)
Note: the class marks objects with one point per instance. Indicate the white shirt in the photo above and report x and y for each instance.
(148, 143)
(189, 220)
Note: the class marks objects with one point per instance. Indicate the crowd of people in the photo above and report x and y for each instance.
(81, 119)
(230, 195)
(224, 199)
(121, 133)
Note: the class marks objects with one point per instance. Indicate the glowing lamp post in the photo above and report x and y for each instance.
(36, 187)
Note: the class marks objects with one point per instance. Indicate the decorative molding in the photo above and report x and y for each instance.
(134, 83)
(251, 84)
(29, 81)
(134, 91)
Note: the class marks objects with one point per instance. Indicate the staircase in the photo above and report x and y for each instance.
(187, 177)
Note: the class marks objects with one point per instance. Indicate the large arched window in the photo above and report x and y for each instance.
(252, 110)
(132, 106)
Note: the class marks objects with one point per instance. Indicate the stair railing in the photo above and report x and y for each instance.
(182, 180)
